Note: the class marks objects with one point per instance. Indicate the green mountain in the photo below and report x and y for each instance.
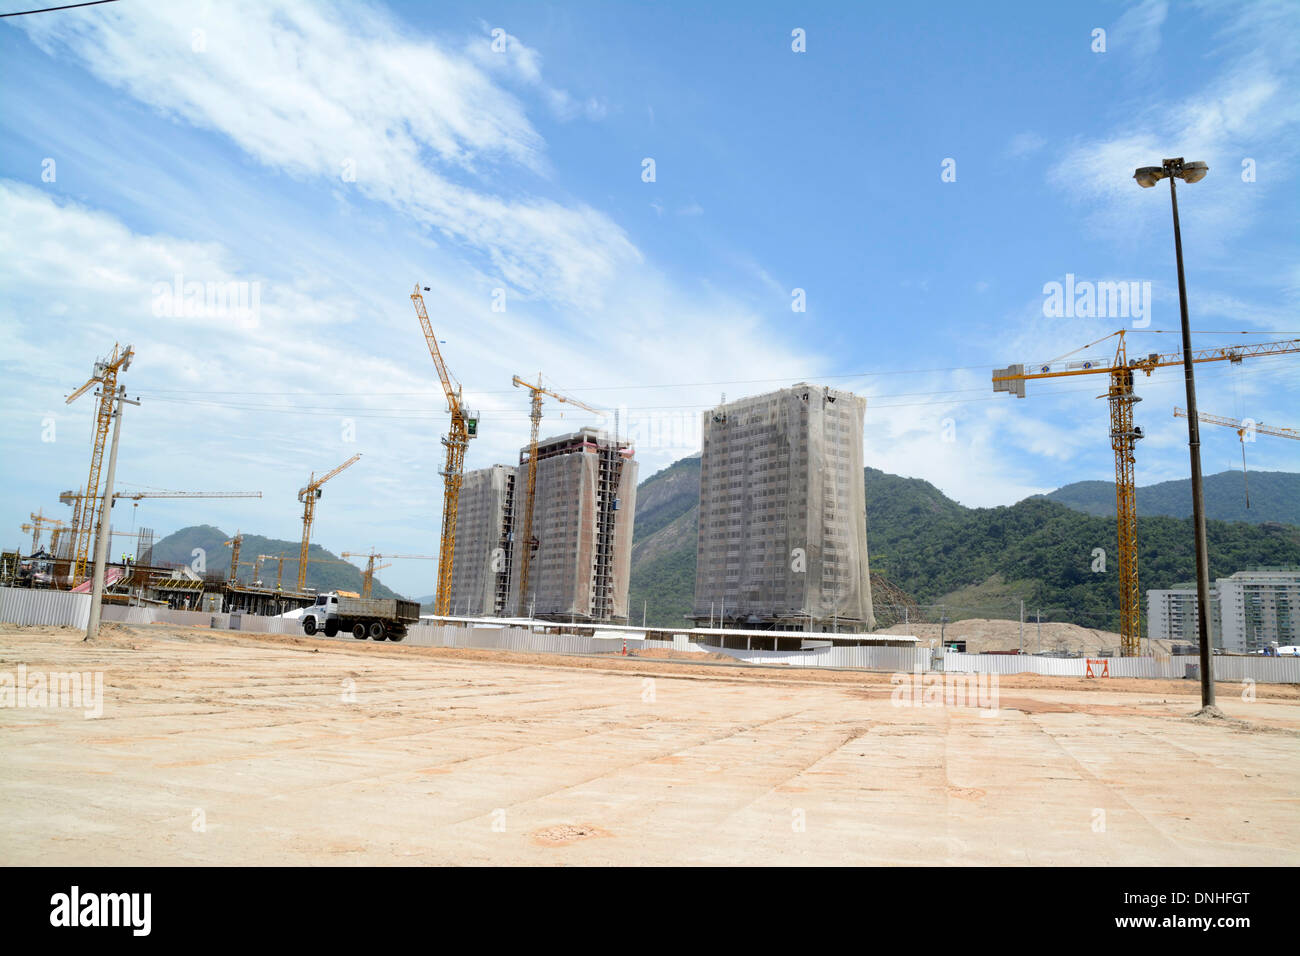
(976, 562)
(178, 548)
(1274, 496)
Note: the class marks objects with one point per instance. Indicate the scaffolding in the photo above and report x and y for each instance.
(584, 508)
(782, 523)
(481, 567)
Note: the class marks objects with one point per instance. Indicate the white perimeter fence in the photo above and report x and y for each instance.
(1263, 670)
(31, 606)
(61, 609)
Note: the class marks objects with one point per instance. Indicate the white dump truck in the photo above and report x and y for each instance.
(380, 619)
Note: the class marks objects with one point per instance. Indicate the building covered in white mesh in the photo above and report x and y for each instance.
(584, 507)
(480, 574)
(782, 519)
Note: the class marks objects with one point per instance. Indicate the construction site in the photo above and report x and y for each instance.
(527, 721)
(548, 635)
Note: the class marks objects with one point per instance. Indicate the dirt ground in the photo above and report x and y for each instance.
(216, 748)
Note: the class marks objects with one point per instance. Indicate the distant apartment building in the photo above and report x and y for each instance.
(480, 578)
(1260, 608)
(583, 512)
(782, 520)
(1250, 611)
(1173, 615)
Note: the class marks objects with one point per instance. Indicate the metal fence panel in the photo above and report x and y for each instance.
(35, 607)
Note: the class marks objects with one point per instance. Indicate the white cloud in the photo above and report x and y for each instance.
(323, 90)
(1136, 33)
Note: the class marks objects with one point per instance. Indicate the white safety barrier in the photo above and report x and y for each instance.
(1262, 670)
(36, 607)
(865, 657)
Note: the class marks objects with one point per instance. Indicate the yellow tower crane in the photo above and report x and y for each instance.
(234, 544)
(1243, 427)
(40, 523)
(105, 376)
(528, 543)
(464, 426)
(308, 495)
(368, 575)
(1123, 438)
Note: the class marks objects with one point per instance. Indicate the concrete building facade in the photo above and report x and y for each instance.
(782, 520)
(1250, 611)
(1173, 615)
(481, 569)
(1260, 608)
(583, 512)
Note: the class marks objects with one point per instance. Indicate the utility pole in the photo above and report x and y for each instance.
(105, 519)
(1038, 614)
(1022, 625)
(644, 605)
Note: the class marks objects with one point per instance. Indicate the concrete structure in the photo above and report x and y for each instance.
(584, 506)
(1260, 607)
(782, 527)
(1251, 610)
(1173, 615)
(481, 570)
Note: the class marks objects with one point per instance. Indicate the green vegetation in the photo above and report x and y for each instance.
(178, 548)
(979, 562)
(1274, 496)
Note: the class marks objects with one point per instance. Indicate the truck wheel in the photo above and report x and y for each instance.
(359, 631)
(396, 636)
(309, 626)
(331, 628)
(376, 631)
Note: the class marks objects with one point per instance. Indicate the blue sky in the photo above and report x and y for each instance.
(334, 156)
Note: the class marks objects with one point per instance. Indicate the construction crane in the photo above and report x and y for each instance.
(279, 571)
(529, 542)
(464, 426)
(40, 523)
(137, 495)
(105, 376)
(368, 575)
(308, 495)
(1123, 438)
(1244, 428)
(234, 545)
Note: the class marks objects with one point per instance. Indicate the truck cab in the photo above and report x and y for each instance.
(323, 615)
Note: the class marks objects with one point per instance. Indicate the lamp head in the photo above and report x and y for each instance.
(1148, 176)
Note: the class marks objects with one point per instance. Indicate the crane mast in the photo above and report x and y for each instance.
(464, 426)
(105, 376)
(308, 495)
(1123, 437)
(368, 575)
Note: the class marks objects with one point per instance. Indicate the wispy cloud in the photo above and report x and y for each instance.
(340, 93)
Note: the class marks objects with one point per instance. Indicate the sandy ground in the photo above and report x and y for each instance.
(220, 749)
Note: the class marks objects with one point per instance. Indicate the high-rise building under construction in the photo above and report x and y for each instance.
(583, 510)
(782, 518)
(485, 519)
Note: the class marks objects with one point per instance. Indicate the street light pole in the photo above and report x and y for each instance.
(1146, 177)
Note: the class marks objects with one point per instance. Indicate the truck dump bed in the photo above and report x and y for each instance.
(390, 609)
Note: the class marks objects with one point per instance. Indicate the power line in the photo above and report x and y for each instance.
(68, 6)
